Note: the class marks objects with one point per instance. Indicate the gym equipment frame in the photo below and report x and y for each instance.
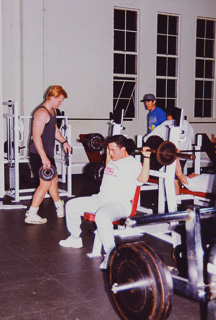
(136, 270)
(14, 135)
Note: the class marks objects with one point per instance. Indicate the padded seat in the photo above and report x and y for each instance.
(91, 216)
(97, 245)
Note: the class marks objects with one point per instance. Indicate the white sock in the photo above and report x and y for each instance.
(58, 204)
(33, 209)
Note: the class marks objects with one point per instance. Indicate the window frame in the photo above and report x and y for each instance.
(204, 79)
(167, 56)
(128, 77)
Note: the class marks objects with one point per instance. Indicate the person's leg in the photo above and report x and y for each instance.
(40, 193)
(54, 193)
(75, 209)
(31, 216)
(53, 190)
(105, 215)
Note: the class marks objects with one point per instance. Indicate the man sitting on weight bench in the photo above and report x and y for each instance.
(121, 176)
(204, 182)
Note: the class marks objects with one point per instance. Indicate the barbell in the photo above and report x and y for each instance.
(141, 284)
(163, 153)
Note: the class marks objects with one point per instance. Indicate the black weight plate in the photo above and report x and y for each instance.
(166, 153)
(67, 159)
(165, 279)
(47, 174)
(95, 142)
(128, 263)
(90, 169)
(153, 142)
(98, 172)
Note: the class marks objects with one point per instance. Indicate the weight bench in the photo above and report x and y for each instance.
(200, 198)
(121, 229)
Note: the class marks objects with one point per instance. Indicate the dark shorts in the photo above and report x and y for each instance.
(36, 163)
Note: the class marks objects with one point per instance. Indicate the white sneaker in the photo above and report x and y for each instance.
(60, 210)
(104, 264)
(71, 242)
(34, 218)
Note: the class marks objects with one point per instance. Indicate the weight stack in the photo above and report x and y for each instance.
(9, 177)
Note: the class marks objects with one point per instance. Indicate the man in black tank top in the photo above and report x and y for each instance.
(42, 143)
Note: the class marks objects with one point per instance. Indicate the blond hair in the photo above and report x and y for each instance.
(56, 91)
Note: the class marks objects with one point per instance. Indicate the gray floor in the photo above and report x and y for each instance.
(40, 280)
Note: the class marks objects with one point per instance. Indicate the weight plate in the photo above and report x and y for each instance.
(89, 170)
(67, 159)
(95, 142)
(132, 263)
(153, 142)
(166, 153)
(98, 172)
(165, 279)
(47, 174)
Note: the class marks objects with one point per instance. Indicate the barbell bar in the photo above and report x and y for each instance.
(165, 151)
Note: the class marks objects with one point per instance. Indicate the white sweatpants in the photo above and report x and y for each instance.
(105, 215)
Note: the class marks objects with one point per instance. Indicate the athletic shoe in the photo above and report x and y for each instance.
(60, 210)
(34, 218)
(104, 264)
(71, 242)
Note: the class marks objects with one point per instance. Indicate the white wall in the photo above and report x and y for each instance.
(1, 115)
(70, 42)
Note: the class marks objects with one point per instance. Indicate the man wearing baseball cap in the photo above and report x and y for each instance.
(156, 115)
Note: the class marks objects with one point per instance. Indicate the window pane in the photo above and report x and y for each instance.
(173, 25)
(171, 88)
(209, 49)
(161, 103)
(130, 64)
(161, 44)
(198, 108)
(209, 69)
(207, 108)
(117, 87)
(172, 67)
(172, 45)
(200, 28)
(131, 23)
(208, 89)
(200, 48)
(123, 104)
(118, 63)
(130, 111)
(119, 40)
(162, 24)
(198, 89)
(131, 41)
(127, 89)
(161, 66)
(119, 19)
(161, 88)
(171, 103)
(199, 68)
(210, 34)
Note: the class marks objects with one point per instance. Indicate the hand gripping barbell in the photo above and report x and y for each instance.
(165, 151)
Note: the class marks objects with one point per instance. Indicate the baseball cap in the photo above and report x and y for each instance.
(148, 96)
